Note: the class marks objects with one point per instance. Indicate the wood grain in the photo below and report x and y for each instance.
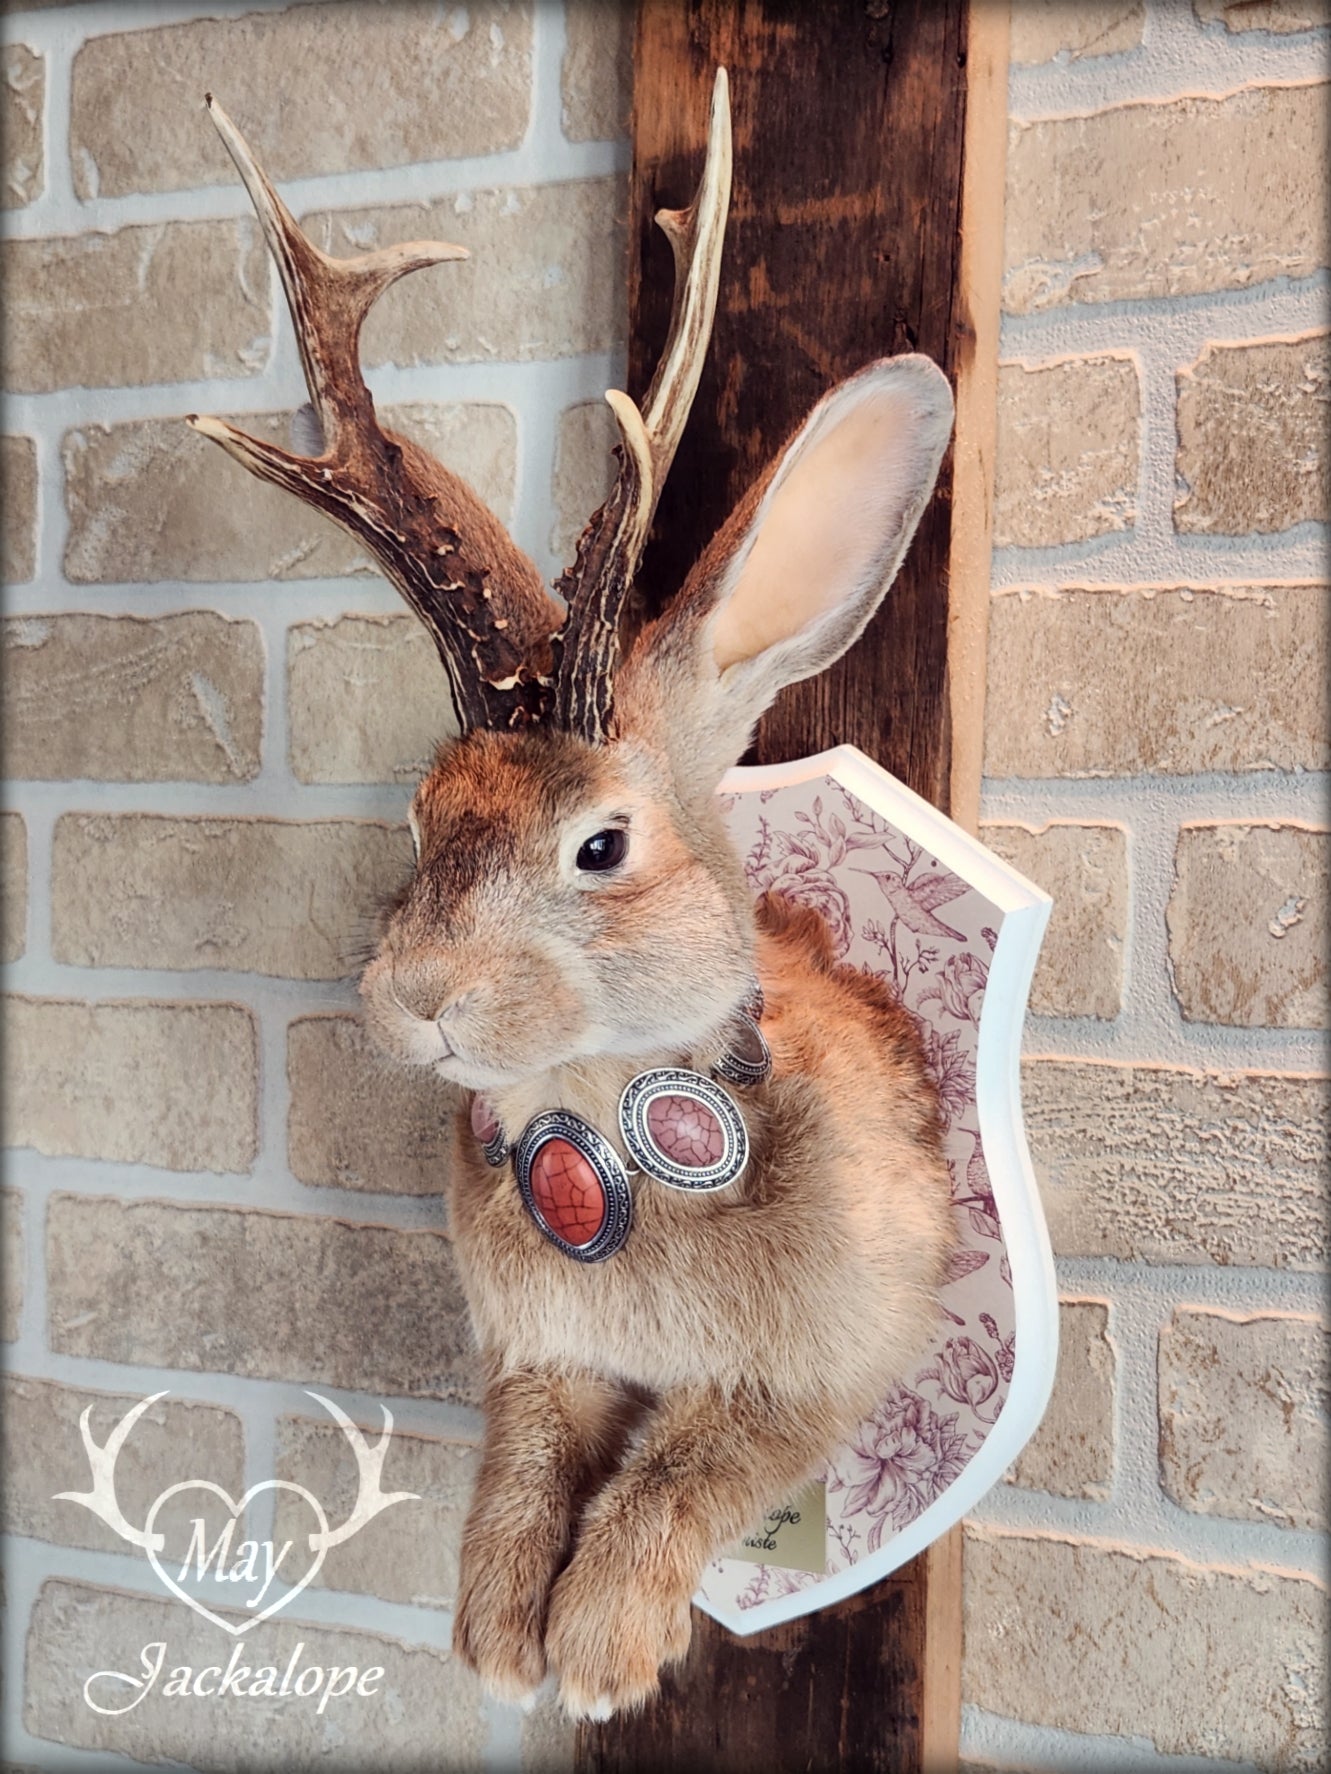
(844, 246)
(980, 299)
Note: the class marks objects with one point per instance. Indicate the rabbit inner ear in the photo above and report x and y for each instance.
(833, 524)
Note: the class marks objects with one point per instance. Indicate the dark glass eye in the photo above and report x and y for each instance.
(605, 851)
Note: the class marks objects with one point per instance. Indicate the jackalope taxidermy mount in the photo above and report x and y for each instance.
(684, 1297)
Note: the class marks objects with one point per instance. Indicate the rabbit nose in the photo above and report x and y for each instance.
(450, 1012)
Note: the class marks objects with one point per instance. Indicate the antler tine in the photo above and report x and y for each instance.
(329, 298)
(371, 1500)
(480, 597)
(101, 1499)
(611, 546)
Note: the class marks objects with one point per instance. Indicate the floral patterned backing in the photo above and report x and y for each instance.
(896, 912)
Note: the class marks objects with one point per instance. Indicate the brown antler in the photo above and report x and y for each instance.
(611, 546)
(480, 597)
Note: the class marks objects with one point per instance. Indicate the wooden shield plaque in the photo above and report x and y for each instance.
(911, 897)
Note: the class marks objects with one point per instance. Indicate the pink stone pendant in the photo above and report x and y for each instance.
(683, 1129)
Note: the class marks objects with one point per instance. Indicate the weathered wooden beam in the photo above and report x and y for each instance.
(845, 244)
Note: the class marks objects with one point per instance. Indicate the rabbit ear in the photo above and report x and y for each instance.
(795, 574)
(815, 559)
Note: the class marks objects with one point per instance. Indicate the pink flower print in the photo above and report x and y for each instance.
(1006, 1355)
(845, 1537)
(756, 1589)
(780, 863)
(903, 1457)
(952, 1068)
(959, 988)
(967, 1373)
(976, 1193)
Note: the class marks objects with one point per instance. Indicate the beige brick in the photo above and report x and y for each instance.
(18, 511)
(584, 472)
(21, 125)
(1265, 15)
(13, 886)
(1159, 1164)
(134, 698)
(408, 1554)
(264, 1295)
(1046, 30)
(175, 1439)
(366, 698)
(1252, 452)
(1244, 1403)
(169, 302)
(428, 84)
(169, 1084)
(11, 1264)
(425, 1705)
(1068, 448)
(1085, 868)
(1112, 1641)
(1248, 925)
(544, 279)
(1071, 1454)
(596, 82)
(151, 499)
(1166, 681)
(245, 895)
(358, 1122)
(1206, 194)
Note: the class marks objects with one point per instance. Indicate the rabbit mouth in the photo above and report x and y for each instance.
(456, 1068)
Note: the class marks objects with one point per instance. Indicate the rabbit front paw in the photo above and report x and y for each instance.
(611, 1628)
(497, 1628)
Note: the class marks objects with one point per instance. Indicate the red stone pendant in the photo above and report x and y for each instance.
(683, 1129)
(574, 1186)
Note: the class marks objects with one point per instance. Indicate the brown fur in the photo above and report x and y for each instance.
(642, 1412)
(760, 1322)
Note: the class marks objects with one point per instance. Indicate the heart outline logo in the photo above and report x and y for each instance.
(371, 1499)
(318, 1545)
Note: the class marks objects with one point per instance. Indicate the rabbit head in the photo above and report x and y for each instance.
(575, 894)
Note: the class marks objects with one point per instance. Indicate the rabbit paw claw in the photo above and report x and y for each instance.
(608, 1636)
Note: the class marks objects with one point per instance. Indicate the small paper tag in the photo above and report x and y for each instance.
(792, 1535)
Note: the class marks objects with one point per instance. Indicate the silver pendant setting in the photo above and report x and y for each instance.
(747, 1059)
(485, 1127)
(682, 1129)
(574, 1185)
(495, 1151)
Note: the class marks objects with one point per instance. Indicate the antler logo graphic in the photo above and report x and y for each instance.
(252, 1561)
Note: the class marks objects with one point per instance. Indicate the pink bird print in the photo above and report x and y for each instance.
(914, 901)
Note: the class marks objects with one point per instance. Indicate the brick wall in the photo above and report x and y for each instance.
(215, 709)
(1146, 1591)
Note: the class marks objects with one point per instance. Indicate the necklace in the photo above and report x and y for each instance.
(679, 1128)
